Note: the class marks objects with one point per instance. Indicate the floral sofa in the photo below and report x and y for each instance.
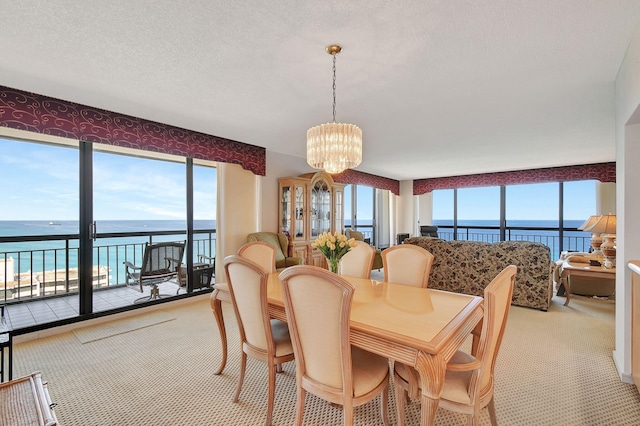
(469, 266)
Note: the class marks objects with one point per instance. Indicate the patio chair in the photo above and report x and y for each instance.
(204, 271)
(160, 263)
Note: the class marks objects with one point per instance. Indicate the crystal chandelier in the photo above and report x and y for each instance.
(334, 147)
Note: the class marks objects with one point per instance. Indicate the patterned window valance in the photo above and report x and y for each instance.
(360, 178)
(36, 113)
(604, 172)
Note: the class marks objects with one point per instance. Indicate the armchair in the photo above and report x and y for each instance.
(281, 243)
(359, 236)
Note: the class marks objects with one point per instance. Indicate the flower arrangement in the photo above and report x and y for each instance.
(333, 246)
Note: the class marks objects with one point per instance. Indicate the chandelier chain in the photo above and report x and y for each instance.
(334, 87)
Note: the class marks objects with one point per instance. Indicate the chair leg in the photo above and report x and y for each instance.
(272, 391)
(492, 412)
(278, 368)
(347, 412)
(243, 365)
(474, 419)
(401, 396)
(384, 406)
(300, 405)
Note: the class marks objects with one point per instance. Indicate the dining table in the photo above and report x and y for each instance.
(417, 326)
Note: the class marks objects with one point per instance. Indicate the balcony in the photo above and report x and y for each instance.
(40, 286)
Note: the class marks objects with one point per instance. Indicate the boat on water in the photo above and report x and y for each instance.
(54, 223)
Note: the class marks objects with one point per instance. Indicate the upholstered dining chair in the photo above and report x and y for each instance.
(358, 261)
(468, 383)
(318, 307)
(264, 254)
(263, 338)
(407, 264)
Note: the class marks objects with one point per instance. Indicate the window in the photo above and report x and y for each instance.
(478, 214)
(126, 198)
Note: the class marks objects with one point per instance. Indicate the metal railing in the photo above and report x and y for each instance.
(52, 268)
(572, 239)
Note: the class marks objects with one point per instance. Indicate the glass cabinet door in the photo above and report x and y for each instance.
(285, 220)
(299, 213)
(320, 208)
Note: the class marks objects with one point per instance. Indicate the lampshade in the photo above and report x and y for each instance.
(334, 147)
(589, 222)
(605, 225)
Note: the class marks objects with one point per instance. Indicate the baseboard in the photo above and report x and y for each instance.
(624, 377)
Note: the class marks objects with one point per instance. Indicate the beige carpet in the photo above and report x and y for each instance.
(555, 368)
(113, 328)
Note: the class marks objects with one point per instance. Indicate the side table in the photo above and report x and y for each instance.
(582, 269)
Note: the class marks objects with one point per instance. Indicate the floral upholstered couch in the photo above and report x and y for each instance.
(469, 266)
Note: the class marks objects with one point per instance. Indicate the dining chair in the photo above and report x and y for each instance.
(468, 383)
(407, 264)
(318, 308)
(263, 338)
(264, 254)
(358, 261)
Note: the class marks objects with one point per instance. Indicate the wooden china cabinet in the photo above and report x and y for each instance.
(310, 204)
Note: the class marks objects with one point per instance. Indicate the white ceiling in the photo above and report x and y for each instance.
(439, 87)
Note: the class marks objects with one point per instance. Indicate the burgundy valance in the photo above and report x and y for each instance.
(604, 172)
(361, 178)
(36, 113)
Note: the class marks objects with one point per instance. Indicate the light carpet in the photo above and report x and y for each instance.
(126, 325)
(554, 368)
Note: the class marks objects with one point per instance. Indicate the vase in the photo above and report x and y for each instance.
(333, 265)
(608, 249)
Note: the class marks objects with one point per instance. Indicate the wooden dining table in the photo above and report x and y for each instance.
(420, 327)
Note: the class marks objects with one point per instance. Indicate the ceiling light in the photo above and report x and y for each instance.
(334, 147)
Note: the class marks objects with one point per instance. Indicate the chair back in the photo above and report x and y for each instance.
(279, 241)
(429, 231)
(247, 283)
(162, 259)
(264, 254)
(358, 261)
(497, 302)
(407, 264)
(318, 307)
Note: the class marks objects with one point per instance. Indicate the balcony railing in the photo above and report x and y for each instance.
(52, 268)
(572, 239)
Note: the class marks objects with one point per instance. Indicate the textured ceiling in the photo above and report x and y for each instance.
(439, 87)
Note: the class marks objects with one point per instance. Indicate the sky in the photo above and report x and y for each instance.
(523, 202)
(40, 182)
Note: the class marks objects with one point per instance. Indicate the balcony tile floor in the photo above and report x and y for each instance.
(37, 312)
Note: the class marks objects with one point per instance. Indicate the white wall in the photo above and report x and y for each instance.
(606, 198)
(237, 207)
(278, 165)
(627, 201)
(425, 209)
(405, 209)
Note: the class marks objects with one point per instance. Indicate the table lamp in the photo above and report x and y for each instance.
(605, 227)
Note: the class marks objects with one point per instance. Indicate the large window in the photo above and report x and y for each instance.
(39, 202)
(74, 213)
(517, 212)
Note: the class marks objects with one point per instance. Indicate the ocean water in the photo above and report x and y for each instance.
(36, 256)
(572, 240)
(111, 252)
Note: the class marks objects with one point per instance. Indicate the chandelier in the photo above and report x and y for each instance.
(334, 147)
